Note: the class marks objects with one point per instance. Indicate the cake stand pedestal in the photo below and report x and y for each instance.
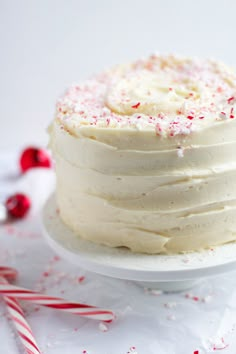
(165, 272)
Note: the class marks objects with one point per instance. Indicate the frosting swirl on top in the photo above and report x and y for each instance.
(173, 95)
(164, 88)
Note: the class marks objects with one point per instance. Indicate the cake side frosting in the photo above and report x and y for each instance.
(123, 182)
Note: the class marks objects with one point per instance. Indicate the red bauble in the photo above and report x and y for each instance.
(18, 205)
(33, 157)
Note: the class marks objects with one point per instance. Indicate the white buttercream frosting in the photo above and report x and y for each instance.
(145, 155)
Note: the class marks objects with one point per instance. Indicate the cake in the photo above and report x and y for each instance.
(146, 155)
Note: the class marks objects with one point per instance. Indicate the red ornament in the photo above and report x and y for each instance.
(33, 157)
(18, 205)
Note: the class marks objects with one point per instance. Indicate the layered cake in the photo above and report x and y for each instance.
(146, 155)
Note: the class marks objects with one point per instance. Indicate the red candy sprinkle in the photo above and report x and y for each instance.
(190, 117)
(136, 105)
(18, 205)
(81, 279)
(231, 100)
(195, 298)
(33, 157)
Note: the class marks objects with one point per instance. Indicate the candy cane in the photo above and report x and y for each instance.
(8, 273)
(17, 316)
(10, 292)
(56, 303)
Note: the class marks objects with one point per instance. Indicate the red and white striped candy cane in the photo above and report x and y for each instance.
(17, 315)
(8, 273)
(11, 292)
(56, 303)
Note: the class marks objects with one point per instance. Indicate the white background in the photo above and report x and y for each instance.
(45, 45)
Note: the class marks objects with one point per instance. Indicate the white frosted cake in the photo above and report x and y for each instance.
(146, 155)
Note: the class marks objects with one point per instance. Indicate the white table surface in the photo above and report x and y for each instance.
(153, 323)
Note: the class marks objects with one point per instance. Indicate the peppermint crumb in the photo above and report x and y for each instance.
(186, 260)
(135, 106)
(220, 344)
(155, 292)
(81, 279)
(223, 115)
(195, 298)
(231, 100)
(132, 350)
(191, 296)
(170, 305)
(180, 152)
(207, 299)
(102, 327)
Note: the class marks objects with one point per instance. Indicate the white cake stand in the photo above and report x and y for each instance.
(165, 272)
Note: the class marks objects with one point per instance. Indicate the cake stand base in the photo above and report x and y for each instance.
(164, 272)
